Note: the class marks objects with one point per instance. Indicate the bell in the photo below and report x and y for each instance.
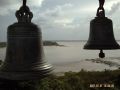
(101, 35)
(24, 54)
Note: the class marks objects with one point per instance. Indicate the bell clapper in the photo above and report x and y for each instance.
(101, 54)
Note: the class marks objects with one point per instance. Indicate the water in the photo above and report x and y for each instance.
(73, 51)
(73, 57)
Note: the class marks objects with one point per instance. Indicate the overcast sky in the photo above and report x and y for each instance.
(60, 19)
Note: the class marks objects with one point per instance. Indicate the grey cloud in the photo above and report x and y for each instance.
(114, 8)
(6, 6)
(53, 3)
(51, 10)
(4, 3)
(9, 3)
(4, 23)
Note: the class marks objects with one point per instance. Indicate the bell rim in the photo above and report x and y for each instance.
(100, 47)
(24, 75)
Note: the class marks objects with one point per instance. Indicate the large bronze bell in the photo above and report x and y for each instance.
(24, 55)
(101, 35)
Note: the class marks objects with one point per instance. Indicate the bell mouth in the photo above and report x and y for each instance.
(26, 75)
(101, 47)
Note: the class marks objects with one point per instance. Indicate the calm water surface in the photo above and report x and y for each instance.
(72, 51)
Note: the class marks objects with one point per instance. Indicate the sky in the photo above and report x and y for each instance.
(60, 19)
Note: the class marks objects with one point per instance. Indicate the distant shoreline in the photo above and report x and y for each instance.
(52, 42)
(45, 43)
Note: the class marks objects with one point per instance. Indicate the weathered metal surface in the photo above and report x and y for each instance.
(24, 55)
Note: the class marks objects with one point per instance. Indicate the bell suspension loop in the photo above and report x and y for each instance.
(24, 14)
(24, 2)
(100, 10)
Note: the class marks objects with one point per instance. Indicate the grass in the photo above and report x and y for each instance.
(75, 81)
(79, 81)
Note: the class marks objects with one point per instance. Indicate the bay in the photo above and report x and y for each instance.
(72, 57)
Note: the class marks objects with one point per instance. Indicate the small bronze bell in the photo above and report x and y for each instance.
(24, 55)
(101, 35)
